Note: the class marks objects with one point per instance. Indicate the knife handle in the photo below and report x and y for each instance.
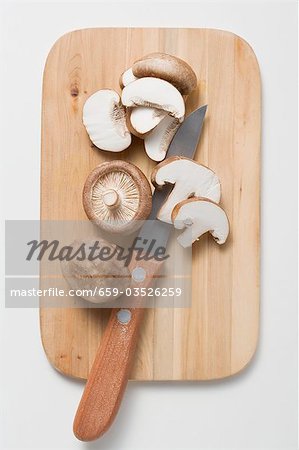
(111, 368)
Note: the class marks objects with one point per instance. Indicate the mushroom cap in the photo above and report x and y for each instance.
(91, 274)
(129, 124)
(190, 178)
(155, 93)
(126, 78)
(167, 67)
(117, 197)
(104, 118)
(199, 216)
(157, 141)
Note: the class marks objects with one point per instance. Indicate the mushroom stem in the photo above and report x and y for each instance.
(188, 222)
(111, 198)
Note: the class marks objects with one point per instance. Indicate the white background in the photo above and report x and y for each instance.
(256, 409)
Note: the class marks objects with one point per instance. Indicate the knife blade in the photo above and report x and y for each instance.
(184, 143)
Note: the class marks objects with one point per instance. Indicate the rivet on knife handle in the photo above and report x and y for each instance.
(111, 368)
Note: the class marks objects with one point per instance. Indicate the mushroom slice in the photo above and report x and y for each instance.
(117, 197)
(143, 119)
(127, 77)
(190, 179)
(91, 275)
(199, 216)
(156, 142)
(155, 93)
(105, 121)
(169, 68)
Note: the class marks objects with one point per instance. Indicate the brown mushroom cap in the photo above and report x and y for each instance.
(117, 196)
(86, 275)
(169, 68)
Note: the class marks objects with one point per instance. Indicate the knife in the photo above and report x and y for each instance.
(111, 368)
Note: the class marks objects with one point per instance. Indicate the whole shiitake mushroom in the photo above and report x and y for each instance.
(117, 197)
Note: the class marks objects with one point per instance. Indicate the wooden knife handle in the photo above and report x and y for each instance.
(111, 368)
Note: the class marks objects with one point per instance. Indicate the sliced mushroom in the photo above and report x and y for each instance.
(129, 124)
(86, 275)
(117, 197)
(143, 119)
(156, 142)
(105, 121)
(199, 216)
(190, 178)
(126, 78)
(167, 67)
(155, 93)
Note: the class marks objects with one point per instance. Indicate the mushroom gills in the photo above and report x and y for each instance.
(199, 216)
(156, 143)
(155, 93)
(189, 178)
(105, 121)
(143, 119)
(115, 198)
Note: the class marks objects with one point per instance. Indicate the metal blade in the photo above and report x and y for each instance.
(184, 144)
(186, 139)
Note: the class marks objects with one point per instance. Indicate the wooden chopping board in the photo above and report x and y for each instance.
(218, 335)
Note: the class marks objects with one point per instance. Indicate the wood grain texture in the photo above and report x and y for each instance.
(218, 335)
(111, 368)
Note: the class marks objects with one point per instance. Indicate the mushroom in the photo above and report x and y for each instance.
(126, 78)
(143, 119)
(190, 178)
(167, 67)
(105, 121)
(95, 275)
(156, 142)
(199, 216)
(117, 197)
(155, 93)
